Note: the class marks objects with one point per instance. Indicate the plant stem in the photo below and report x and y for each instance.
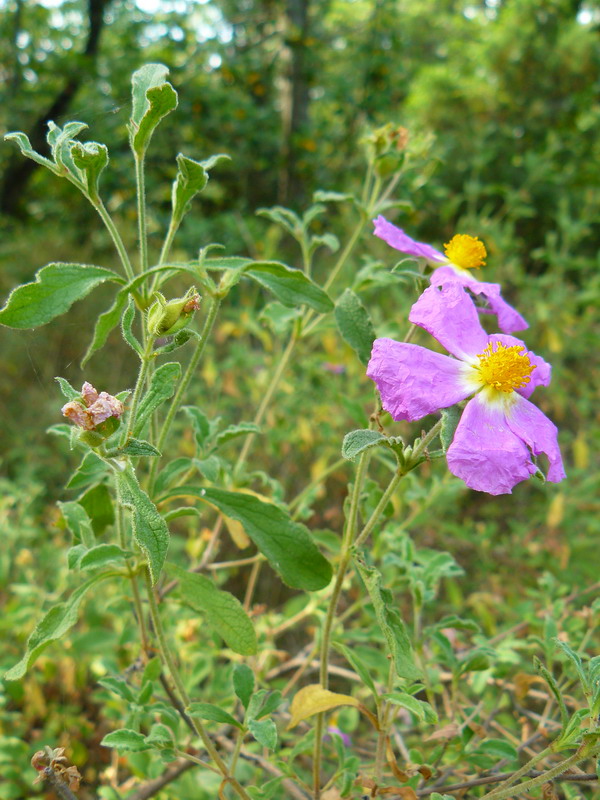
(116, 237)
(181, 690)
(532, 783)
(382, 735)
(333, 602)
(397, 477)
(137, 392)
(313, 484)
(141, 206)
(181, 389)
(267, 397)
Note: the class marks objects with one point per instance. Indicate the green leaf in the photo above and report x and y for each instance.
(176, 341)
(243, 683)
(78, 522)
(91, 470)
(162, 387)
(279, 317)
(286, 544)
(90, 158)
(450, 420)
(575, 659)
(69, 392)
(222, 611)
(190, 180)
(290, 286)
(101, 555)
(554, 688)
(233, 431)
(127, 328)
(118, 686)
(160, 736)
(105, 323)
(170, 472)
(321, 196)
(389, 620)
(152, 99)
(264, 732)
(272, 703)
(421, 709)
(200, 423)
(27, 150)
(358, 441)
(97, 502)
(213, 713)
(354, 324)
(125, 740)
(149, 528)
(357, 665)
(56, 287)
(57, 621)
(138, 447)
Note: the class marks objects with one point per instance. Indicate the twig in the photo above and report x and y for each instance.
(502, 776)
(152, 787)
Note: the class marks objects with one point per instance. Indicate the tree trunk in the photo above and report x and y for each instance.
(20, 171)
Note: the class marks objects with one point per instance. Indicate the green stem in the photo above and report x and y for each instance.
(385, 498)
(137, 392)
(116, 237)
(527, 786)
(169, 662)
(267, 397)
(137, 602)
(141, 206)
(166, 249)
(384, 724)
(183, 385)
(521, 771)
(333, 603)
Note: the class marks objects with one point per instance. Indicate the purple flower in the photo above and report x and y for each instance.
(500, 429)
(462, 253)
(333, 730)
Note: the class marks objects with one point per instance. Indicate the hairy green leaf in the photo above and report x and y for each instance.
(152, 99)
(389, 620)
(149, 528)
(212, 713)
(127, 328)
(78, 522)
(243, 683)
(101, 555)
(56, 287)
(354, 324)
(222, 611)
(358, 441)
(57, 621)
(264, 732)
(290, 286)
(125, 740)
(162, 387)
(286, 544)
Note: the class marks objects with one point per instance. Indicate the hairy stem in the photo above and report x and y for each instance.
(141, 207)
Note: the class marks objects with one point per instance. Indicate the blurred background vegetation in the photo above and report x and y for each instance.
(501, 102)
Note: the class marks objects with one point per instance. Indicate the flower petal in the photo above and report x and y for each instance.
(508, 318)
(486, 453)
(449, 315)
(396, 238)
(540, 434)
(414, 381)
(542, 372)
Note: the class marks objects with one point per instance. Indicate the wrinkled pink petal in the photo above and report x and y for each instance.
(542, 372)
(540, 434)
(449, 315)
(508, 318)
(77, 414)
(399, 240)
(89, 394)
(414, 381)
(486, 453)
(105, 406)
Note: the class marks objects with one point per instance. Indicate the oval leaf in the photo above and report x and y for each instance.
(290, 286)
(55, 624)
(56, 287)
(287, 545)
(222, 611)
(355, 325)
(314, 699)
(125, 739)
(213, 713)
(356, 442)
(149, 528)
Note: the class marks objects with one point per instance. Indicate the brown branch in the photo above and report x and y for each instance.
(151, 788)
(502, 776)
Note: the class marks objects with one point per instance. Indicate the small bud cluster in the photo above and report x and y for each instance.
(94, 408)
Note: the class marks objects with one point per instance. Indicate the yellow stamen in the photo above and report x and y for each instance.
(466, 251)
(504, 368)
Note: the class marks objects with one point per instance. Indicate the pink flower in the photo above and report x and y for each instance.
(94, 409)
(462, 253)
(500, 430)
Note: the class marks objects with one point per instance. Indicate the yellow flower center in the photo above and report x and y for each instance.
(504, 368)
(466, 251)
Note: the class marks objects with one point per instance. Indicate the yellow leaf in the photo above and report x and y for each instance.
(314, 699)
(556, 511)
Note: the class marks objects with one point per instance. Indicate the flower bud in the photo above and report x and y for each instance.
(166, 318)
(98, 414)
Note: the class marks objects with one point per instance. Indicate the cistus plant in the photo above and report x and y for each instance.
(369, 704)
